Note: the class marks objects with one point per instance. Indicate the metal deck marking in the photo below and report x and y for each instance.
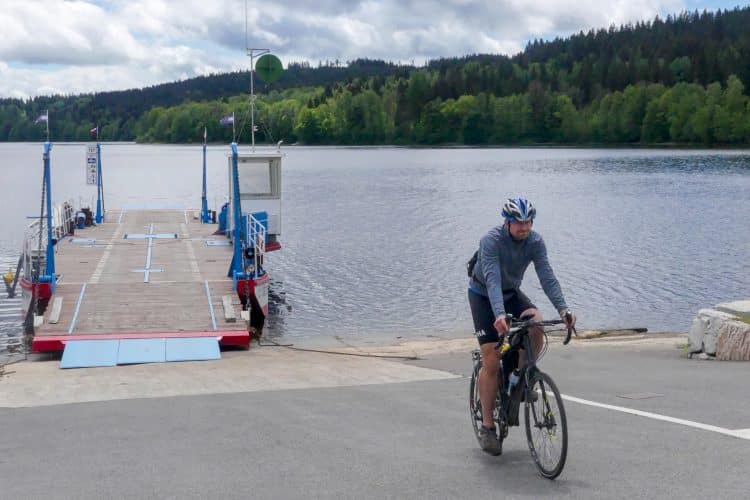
(78, 307)
(150, 237)
(122, 212)
(742, 434)
(210, 306)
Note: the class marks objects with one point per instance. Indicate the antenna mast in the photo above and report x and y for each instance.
(253, 53)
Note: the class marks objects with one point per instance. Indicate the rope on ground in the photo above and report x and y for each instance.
(323, 351)
(2, 369)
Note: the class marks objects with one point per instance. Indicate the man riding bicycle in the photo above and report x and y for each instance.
(494, 291)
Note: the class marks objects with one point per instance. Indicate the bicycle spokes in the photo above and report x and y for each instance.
(546, 428)
(544, 414)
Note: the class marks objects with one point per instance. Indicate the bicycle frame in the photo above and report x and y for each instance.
(523, 331)
(530, 369)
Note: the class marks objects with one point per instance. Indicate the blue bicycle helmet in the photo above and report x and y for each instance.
(518, 209)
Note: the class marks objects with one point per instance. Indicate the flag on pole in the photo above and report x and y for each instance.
(43, 118)
(94, 131)
(227, 120)
(205, 134)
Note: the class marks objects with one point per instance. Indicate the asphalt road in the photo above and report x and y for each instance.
(402, 440)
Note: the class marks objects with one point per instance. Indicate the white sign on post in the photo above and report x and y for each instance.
(92, 171)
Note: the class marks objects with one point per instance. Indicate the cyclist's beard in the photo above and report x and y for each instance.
(520, 236)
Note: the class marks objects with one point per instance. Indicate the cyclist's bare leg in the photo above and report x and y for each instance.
(488, 381)
(536, 335)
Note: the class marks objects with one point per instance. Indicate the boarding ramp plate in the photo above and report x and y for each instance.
(112, 352)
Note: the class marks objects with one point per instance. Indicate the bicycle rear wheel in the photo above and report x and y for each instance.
(546, 426)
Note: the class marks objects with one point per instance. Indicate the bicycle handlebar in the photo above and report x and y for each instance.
(525, 325)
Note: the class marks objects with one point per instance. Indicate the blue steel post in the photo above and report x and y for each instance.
(204, 203)
(237, 266)
(99, 214)
(50, 258)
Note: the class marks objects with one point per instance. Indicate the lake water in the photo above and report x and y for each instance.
(375, 240)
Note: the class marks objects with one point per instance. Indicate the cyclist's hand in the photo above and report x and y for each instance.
(569, 318)
(501, 325)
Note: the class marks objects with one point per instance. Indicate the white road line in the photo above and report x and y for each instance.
(742, 434)
(194, 269)
(105, 257)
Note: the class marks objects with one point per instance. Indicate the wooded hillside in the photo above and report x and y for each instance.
(678, 80)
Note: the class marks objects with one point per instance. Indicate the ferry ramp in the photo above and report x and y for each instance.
(140, 274)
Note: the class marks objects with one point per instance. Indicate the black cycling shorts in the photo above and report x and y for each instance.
(484, 316)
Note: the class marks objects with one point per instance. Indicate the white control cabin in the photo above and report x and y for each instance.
(260, 187)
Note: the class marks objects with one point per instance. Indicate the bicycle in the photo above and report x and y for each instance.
(534, 388)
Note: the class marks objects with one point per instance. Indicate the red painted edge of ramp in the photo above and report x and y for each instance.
(49, 343)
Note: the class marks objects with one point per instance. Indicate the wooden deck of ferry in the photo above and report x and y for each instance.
(113, 286)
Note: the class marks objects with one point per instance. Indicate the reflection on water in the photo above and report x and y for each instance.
(375, 240)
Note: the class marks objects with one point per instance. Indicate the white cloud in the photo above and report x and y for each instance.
(83, 46)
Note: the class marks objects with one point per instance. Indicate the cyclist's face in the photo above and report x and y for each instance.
(520, 230)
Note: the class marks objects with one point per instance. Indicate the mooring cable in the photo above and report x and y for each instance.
(324, 351)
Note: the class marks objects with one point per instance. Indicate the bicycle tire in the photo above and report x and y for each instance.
(475, 404)
(546, 425)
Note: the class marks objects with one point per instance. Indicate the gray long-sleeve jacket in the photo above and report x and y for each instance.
(502, 263)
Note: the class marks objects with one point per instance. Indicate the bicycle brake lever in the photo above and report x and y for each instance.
(571, 330)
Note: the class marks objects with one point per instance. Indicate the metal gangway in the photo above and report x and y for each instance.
(35, 241)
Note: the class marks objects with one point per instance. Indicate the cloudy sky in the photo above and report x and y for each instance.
(69, 47)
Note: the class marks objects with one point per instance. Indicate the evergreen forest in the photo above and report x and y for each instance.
(682, 80)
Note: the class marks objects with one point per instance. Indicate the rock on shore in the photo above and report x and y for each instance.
(723, 331)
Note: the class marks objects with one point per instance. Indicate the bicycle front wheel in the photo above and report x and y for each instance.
(546, 426)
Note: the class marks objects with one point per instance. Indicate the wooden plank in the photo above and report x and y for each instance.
(54, 316)
(229, 315)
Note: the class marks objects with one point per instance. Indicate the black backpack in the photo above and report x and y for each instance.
(472, 262)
